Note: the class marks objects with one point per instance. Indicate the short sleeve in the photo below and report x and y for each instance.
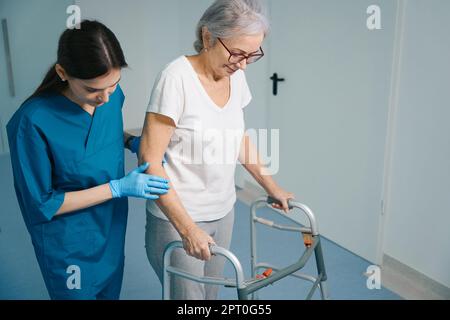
(32, 170)
(246, 93)
(167, 97)
(121, 95)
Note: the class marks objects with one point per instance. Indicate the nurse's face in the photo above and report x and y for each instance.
(232, 54)
(95, 92)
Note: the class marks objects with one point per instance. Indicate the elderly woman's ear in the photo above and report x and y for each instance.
(206, 35)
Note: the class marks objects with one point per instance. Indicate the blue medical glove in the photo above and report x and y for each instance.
(134, 144)
(139, 185)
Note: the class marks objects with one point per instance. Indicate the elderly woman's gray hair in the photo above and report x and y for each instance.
(230, 18)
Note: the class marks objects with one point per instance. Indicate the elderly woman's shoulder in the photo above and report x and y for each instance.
(174, 67)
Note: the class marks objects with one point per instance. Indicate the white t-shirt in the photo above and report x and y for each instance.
(203, 152)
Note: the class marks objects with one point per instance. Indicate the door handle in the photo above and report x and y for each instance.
(275, 81)
(9, 68)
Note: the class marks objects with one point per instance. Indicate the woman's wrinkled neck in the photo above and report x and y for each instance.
(204, 67)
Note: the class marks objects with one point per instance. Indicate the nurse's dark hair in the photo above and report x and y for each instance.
(85, 53)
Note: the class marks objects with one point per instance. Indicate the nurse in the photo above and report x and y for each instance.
(67, 153)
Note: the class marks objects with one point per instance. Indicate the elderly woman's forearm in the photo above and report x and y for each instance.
(171, 205)
(264, 180)
(251, 160)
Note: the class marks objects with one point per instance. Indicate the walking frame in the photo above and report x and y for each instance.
(246, 288)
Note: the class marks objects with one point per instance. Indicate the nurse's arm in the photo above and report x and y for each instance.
(158, 130)
(126, 136)
(79, 200)
(251, 160)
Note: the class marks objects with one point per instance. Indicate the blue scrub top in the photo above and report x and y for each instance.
(57, 147)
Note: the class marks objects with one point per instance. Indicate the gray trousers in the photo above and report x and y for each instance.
(159, 233)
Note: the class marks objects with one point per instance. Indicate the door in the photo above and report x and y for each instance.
(332, 112)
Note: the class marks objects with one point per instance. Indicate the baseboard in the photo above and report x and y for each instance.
(410, 283)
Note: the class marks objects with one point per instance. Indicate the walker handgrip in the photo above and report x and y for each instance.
(271, 200)
(212, 250)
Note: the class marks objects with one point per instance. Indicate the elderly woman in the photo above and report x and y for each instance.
(195, 116)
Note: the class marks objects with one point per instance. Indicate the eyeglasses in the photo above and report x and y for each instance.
(236, 57)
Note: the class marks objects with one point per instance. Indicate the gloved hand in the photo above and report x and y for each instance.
(134, 144)
(139, 185)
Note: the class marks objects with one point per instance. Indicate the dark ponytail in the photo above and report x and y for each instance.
(51, 83)
(85, 53)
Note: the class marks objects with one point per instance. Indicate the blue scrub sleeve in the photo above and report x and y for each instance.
(31, 161)
(122, 96)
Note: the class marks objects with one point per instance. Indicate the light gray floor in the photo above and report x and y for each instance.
(20, 276)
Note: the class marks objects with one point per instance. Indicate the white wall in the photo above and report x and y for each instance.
(418, 213)
(34, 28)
